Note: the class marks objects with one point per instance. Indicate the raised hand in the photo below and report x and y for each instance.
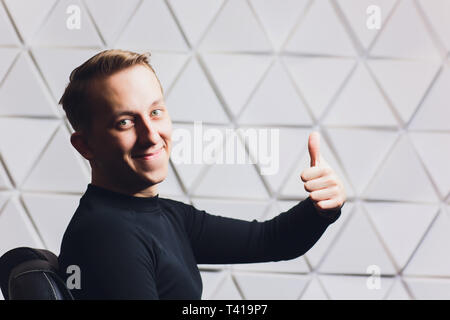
(325, 188)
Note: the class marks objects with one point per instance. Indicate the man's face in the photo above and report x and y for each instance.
(130, 119)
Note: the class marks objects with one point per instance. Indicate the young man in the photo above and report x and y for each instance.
(127, 241)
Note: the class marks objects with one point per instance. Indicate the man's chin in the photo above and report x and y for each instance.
(151, 178)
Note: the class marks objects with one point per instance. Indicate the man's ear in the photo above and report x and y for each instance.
(79, 142)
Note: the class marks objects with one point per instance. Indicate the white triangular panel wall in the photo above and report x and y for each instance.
(434, 113)
(379, 97)
(236, 29)
(68, 24)
(314, 291)
(28, 16)
(321, 32)
(355, 288)
(195, 22)
(144, 29)
(271, 286)
(405, 35)
(51, 220)
(23, 234)
(429, 288)
(361, 14)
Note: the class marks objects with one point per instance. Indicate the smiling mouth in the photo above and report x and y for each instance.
(151, 154)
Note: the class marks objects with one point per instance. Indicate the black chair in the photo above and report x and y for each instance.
(31, 274)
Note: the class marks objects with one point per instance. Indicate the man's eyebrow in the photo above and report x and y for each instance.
(131, 113)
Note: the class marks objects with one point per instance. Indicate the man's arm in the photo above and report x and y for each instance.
(217, 239)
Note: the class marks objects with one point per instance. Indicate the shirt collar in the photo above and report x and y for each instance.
(122, 200)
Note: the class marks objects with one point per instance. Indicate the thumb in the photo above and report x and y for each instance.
(314, 148)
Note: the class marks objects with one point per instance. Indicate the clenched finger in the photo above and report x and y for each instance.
(321, 183)
(314, 173)
(329, 204)
(324, 194)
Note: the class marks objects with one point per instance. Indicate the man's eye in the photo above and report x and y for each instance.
(157, 110)
(122, 122)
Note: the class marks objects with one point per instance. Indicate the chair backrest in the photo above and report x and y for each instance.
(31, 274)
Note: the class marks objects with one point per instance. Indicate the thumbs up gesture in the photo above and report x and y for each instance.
(326, 189)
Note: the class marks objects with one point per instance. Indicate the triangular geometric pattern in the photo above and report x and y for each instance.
(405, 36)
(167, 66)
(314, 291)
(30, 138)
(194, 22)
(434, 151)
(398, 292)
(59, 169)
(404, 82)
(190, 171)
(317, 253)
(8, 36)
(37, 100)
(360, 104)
(210, 282)
(57, 63)
(236, 29)
(227, 290)
(236, 179)
(278, 20)
(283, 107)
(51, 214)
(378, 96)
(398, 182)
(355, 288)
(184, 102)
(276, 164)
(429, 260)
(61, 28)
(112, 21)
(236, 76)
(16, 229)
(319, 79)
(4, 179)
(389, 218)
(4, 196)
(437, 13)
(361, 151)
(265, 286)
(28, 15)
(7, 56)
(348, 256)
(358, 17)
(434, 112)
(321, 33)
(144, 30)
(429, 289)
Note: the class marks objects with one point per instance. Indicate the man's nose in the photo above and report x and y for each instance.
(148, 132)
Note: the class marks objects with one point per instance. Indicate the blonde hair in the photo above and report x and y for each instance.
(76, 99)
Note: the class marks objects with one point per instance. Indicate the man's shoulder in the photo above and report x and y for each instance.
(94, 222)
(175, 202)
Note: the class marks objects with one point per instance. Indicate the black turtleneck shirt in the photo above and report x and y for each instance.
(148, 247)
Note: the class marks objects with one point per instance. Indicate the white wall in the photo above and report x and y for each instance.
(379, 97)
